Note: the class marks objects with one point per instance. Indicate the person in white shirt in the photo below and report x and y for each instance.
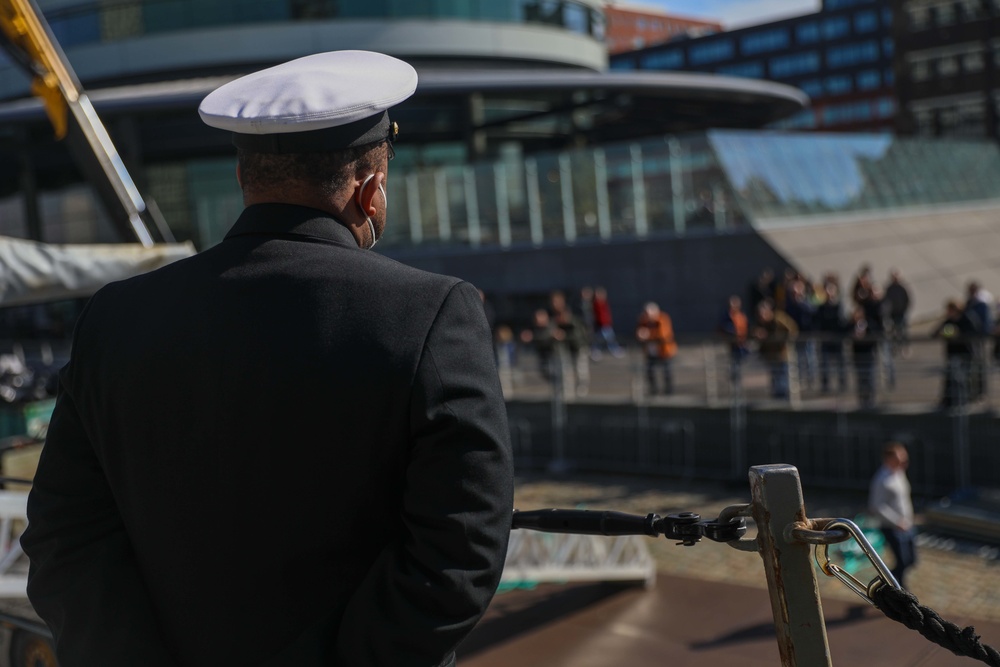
(889, 501)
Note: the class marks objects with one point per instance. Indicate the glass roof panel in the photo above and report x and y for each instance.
(789, 175)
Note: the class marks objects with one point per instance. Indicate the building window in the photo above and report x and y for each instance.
(973, 62)
(887, 17)
(889, 76)
(942, 15)
(808, 33)
(766, 40)
(967, 119)
(866, 21)
(803, 120)
(885, 107)
(752, 70)
(794, 64)
(836, 27)
(852, 54)
(925, 121)
(666, 59)
(968, 10)
(622, 64)
(840, 4)
(576, 18)
(598, 25)
(851, 112)
(839, 84)
(918, 17)
(869, 79)
(920, 71)
(712, 51)
(812, 87)
(80, 28)
(888, 47)
(947, 66)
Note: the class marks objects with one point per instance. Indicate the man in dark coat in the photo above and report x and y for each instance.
(896, 304)
(960, 331)
(864, 351)
(286, 450)
(830, 323)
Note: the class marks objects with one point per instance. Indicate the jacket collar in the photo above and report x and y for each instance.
(288, 220)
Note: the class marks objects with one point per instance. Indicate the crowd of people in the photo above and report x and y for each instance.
(812, 329)
(813, 333)
(567, 339)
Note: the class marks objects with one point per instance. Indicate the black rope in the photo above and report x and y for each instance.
(903, 607)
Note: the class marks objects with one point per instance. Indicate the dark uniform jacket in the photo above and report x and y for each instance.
(282, 451)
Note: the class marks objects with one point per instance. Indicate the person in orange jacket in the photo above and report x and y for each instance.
(736, 329)
(655, 332)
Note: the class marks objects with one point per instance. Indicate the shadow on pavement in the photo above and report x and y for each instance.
(532, 609)
(765, 631)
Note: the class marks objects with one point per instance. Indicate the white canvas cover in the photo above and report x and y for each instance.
(33, 272)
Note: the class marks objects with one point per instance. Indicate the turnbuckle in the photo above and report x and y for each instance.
(684, 526)
(833, 531)
(689, 528)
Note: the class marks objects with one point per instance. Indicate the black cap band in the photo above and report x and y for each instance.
(365, 131)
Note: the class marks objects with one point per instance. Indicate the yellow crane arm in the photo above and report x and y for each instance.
(26, 35)
(52, 82)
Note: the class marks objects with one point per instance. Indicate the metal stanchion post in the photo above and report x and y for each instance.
(711, 373)
(791, 578)
(794, 387)
(963, 470)
(558, 463)
(737, 429)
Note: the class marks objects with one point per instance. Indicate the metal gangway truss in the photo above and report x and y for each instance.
(13, 568)
(534, 557)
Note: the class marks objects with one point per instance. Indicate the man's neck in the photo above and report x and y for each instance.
(337, 207)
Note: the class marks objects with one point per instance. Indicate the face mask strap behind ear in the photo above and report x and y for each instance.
(368, 218)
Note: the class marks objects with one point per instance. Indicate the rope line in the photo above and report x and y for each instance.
(903, 607)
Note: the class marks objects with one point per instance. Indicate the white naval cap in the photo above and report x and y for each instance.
(323, 102)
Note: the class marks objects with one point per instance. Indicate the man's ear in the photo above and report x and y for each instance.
(239, 175)
(365, 193)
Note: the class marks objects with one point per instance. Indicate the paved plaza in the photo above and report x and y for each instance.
(710, 605)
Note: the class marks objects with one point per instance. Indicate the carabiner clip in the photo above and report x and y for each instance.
(833, 570)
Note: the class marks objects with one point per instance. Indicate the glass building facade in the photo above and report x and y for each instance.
(719, 182)
(842, 57)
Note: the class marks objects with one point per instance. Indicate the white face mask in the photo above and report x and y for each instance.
(368, 219)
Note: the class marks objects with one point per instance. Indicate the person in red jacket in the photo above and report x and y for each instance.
(602, 325)
(655, 332)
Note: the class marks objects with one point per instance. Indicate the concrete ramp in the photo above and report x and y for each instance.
(937, 250)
